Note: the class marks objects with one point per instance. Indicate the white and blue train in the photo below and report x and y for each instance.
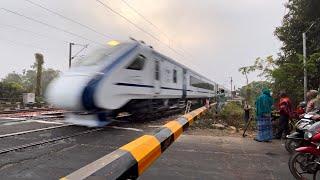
(128, 77)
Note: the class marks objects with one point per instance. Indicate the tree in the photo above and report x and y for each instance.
(289, 72)
(39, 61)
(301, 14)
(14, 84)
(13, 77)
(255, 89)
(11, 91)
(47, 76)
(265, 66)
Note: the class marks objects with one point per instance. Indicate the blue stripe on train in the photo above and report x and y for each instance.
(88, 93)
(134, 85)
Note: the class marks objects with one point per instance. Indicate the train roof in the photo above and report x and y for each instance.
(175, 62)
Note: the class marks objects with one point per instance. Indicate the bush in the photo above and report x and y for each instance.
(232, 114)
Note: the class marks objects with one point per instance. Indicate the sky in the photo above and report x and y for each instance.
(212, 37)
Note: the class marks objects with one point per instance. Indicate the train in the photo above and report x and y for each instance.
(130, 77)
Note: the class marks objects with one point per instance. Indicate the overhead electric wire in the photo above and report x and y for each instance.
(21, 44)
(152, 24)
(51, 26)
(138, 27)
(32, 32)
(77, 53)
(144, 18)
(69, 19)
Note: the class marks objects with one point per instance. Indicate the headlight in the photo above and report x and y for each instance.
(308, 135)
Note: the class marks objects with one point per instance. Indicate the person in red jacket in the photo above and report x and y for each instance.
(285, 108)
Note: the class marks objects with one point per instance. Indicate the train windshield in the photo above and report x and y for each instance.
(96, 56)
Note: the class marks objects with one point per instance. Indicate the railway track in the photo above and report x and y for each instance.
(46, 141)
(26, 110)
(118, 120)
(32, 131)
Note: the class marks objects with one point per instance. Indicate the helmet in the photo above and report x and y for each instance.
(303, 104)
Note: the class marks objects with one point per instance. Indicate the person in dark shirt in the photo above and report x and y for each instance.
(246, 109)
(285, 108)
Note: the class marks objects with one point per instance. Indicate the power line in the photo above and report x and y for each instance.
(128, 20)
(32, 32)
(69, 19)
(138, 27)
(144, 18)
(152, 24)
(51, 26)
(21, 44)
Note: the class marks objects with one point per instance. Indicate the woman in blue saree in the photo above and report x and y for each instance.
(263, 112)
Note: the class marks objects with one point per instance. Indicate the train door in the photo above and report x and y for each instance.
(184, 84)
(157, 77)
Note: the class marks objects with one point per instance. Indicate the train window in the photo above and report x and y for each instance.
(195, 82)
(157, 70)
(138, 63)
(174, 76)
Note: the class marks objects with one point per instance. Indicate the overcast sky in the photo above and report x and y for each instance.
(213, 37)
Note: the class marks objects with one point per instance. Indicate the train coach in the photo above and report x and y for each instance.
(126, 77)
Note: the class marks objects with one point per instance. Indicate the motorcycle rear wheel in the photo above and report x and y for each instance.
(294, 162)
(292, 144)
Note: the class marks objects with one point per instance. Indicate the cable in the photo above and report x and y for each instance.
(128, 20)
(152, 24)
(34, 33)
(51, 26)
(69, 19)
(143, 17)
(21, 44)
(76, 54)
(138, 27)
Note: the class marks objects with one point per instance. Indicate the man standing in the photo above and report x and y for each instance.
(246, 109)
(285, 108)
(220, 101)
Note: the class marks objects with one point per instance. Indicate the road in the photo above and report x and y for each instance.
(191, 157)
(209, 157)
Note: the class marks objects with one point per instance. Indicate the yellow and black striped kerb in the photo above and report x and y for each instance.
(132, 159)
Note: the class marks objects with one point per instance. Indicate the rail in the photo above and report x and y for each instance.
(132, 159)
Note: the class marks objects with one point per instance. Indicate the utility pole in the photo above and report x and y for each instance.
(231, 83)
(70, 54)
(305, 78)
(70, 51)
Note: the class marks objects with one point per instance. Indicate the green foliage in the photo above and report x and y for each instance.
(288, 75)
(14, 84)
(301, 14)
(11, 90)
(255, 89)
(286, 72)
(232, 114)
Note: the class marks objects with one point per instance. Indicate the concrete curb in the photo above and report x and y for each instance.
(132, 159)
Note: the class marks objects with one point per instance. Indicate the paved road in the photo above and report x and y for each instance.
(209, 157)
(191, 157)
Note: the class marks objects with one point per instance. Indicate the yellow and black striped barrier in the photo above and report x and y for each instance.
(132, 159)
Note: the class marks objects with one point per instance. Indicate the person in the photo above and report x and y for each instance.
(263, 113)
(300, 110)
(220, 101)
(285, 110)
(313, 101)
(246, 109)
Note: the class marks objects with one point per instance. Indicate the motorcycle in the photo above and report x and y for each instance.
(296, 139)
(305, 163)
